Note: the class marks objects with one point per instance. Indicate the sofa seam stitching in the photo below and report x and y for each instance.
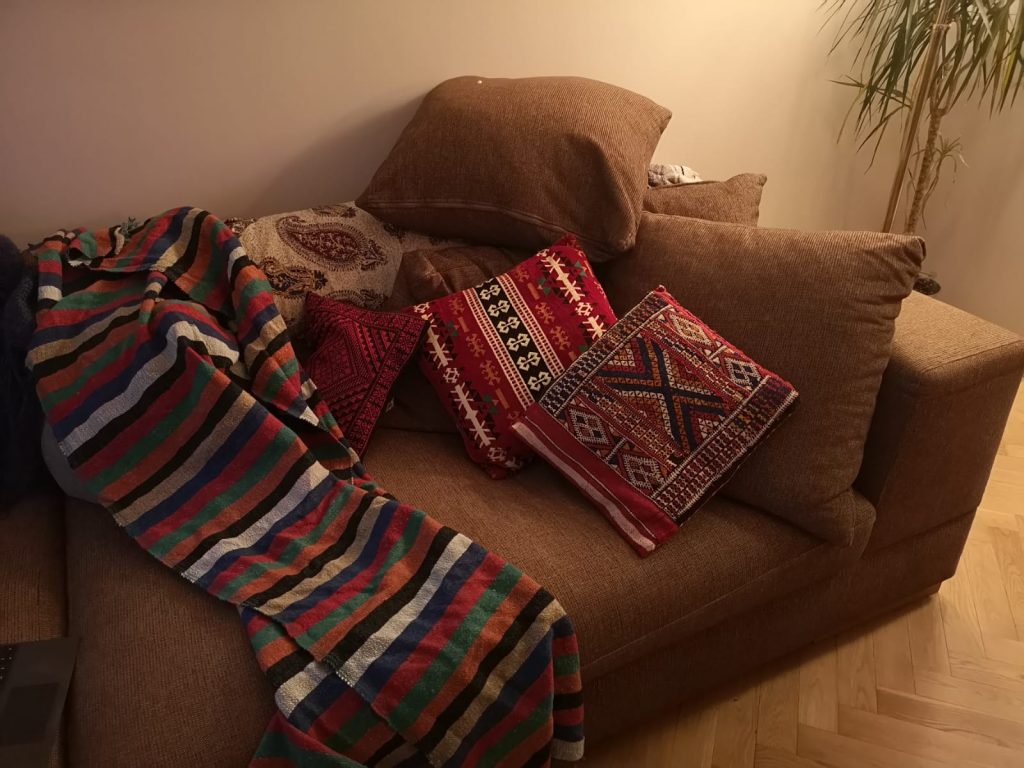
(1003, 370)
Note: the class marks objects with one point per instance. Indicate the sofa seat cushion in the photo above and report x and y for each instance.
(165, 673)
(727, 558)
(33, 600)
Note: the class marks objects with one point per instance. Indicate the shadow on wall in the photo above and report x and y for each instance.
(336, 168)
(1001, 178)
(972, 224)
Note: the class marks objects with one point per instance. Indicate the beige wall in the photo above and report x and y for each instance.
(975, 221)
(115, 109)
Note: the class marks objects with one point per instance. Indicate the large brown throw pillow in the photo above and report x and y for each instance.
(819, 309)
(735, 201)
(521, 162)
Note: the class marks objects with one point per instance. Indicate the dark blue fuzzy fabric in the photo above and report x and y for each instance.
(21, 418)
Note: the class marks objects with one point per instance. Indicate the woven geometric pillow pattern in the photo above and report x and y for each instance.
(493, 349)
(357, 354)
(653, 418)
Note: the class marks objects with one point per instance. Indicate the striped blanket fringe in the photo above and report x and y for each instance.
(171, 385)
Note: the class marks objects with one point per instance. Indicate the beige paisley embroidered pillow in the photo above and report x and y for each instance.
(339, 251)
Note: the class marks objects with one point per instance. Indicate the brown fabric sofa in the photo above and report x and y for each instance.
(166, 677)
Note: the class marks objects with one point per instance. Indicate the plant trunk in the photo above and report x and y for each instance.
(924, 169)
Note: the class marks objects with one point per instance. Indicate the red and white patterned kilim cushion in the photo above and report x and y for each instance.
(492, 350)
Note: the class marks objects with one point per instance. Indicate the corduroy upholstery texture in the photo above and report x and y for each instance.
(818, 309)
(949, 385)
(33, 600)
(165, 675)
(728, 558)
(520, 162)
(733, 201)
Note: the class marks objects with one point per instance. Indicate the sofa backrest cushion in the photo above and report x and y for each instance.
(736, 200)
(819, 309)
(520, 162)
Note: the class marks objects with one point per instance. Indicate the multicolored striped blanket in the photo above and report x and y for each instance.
(172, 387)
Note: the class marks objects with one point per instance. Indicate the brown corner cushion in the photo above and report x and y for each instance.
(819, 309)
(735, 201)
(425, 275)
(428, 274)
(520, 162)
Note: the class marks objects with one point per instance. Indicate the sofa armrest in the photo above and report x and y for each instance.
(940, 414)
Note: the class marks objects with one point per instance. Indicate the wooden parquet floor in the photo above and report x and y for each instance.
(937, 684)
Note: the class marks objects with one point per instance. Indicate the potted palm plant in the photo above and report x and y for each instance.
(915, 61)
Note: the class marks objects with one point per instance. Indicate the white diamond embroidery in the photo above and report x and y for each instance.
(743, 373)
(588, 428)
(688, 330)
(642, 471)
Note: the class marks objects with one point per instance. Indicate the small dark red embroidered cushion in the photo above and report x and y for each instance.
(654, 417)
(493, 349)
(356, 356)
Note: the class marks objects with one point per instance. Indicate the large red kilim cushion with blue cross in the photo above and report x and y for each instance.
(493, 349)
(654, 417)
